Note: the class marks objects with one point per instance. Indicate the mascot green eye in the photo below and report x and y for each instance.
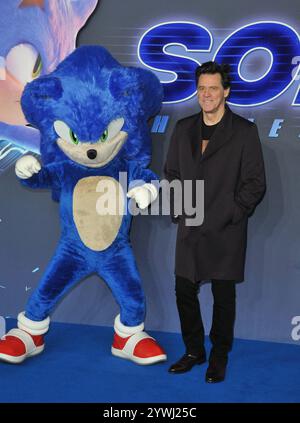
(74, 137)
(104, 136)
(37, 67)
(112, 130)
(65, 132)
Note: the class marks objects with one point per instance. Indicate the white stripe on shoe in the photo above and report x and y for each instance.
(128, 350)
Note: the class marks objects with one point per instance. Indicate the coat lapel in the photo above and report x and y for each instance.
(195, 136)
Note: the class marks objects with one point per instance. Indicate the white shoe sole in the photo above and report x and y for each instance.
(21, 358)
(138, 360)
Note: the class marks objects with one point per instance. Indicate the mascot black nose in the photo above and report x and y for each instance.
(92, 154)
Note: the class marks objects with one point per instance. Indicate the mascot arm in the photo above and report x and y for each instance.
(144, 185)
(138, 172)
(32, 175)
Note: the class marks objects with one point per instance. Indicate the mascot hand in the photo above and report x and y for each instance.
(26, 166)
(143, 195)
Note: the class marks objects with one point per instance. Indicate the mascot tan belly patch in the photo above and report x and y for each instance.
(98, 208)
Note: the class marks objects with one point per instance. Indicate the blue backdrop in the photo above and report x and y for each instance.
(269, 298)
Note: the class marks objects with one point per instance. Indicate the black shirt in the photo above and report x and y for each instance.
(207, 133)
(208, 130)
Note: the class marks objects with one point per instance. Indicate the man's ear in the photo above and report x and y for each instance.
(226, 93)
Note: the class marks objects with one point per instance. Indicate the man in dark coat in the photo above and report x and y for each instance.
(224, 150)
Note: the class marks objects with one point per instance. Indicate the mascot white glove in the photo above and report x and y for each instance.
(143, 195)
(26, 166)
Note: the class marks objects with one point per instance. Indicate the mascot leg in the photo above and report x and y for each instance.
(130, 340)
(65, 269)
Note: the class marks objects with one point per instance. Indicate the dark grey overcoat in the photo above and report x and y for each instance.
(232, 168)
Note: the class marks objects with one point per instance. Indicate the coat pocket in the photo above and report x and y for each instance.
(238, 214)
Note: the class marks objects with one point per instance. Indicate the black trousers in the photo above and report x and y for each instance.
(222, 329)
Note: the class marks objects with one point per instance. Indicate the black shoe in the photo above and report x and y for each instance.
(215, 372)
(186, 363)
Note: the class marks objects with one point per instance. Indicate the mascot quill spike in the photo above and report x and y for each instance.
(92, 115)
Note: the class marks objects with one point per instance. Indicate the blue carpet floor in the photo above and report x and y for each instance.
(77, 366)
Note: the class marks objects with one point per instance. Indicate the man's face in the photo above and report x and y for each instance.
(210, 92)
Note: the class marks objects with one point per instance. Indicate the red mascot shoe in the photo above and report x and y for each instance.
(17, 345)
(26, 341)
(132, 343)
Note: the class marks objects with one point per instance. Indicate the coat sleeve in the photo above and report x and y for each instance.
(172, 169)
(252, 185)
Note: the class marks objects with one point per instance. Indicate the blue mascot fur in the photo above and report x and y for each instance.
(92, 114)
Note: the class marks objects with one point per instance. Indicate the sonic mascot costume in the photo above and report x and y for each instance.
(92, 114)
